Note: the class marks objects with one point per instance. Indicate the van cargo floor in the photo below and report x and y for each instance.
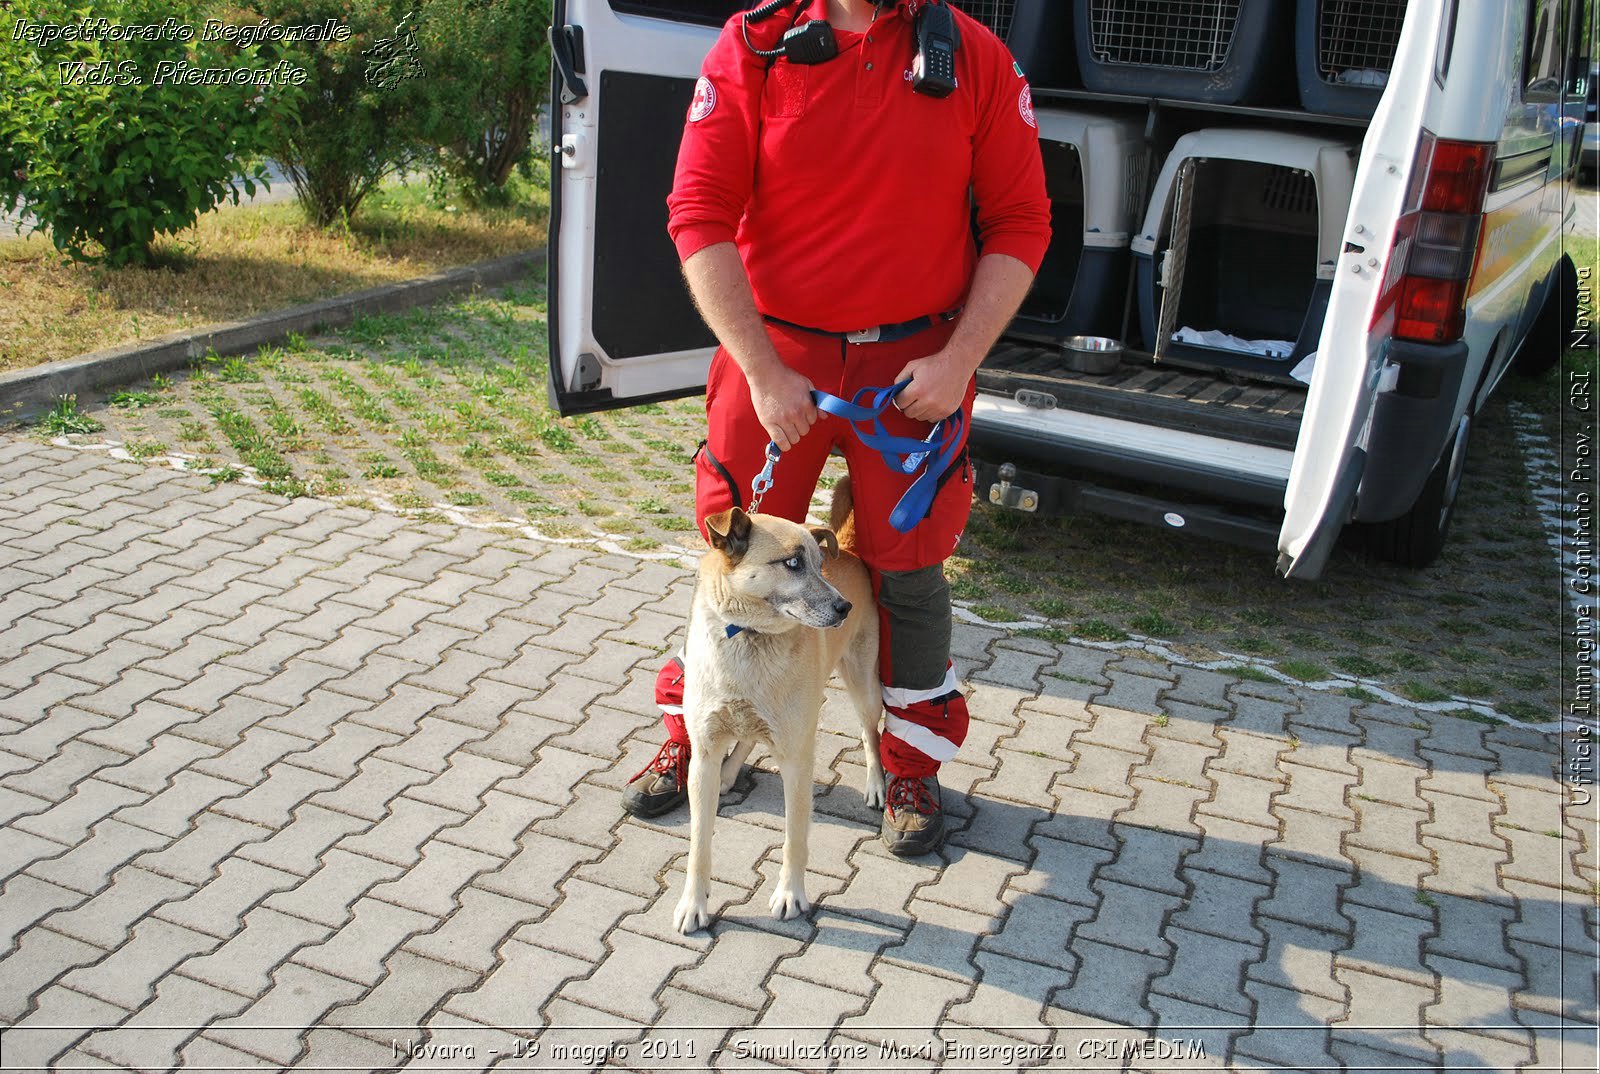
(1212, 404)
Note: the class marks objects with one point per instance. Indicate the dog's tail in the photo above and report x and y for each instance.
(842, 516)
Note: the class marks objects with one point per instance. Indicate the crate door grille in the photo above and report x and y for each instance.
(1191, 35)
(995, 14)
(1357, 35)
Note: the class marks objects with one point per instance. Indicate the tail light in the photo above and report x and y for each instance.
(1436, 240)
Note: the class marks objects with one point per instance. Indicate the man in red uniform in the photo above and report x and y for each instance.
(824, 216)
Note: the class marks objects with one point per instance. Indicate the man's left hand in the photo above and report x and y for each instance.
(938, 387)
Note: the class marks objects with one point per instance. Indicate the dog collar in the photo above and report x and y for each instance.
(731, 630)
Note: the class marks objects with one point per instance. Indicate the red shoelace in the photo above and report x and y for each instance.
(909, 792)
(671, 759)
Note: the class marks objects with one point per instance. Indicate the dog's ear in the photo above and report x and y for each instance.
(826, 541)
(729, 532)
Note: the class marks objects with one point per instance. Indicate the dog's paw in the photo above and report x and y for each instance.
(788, 902)
(691, 915)
(872, 792)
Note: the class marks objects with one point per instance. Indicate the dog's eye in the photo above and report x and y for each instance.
(794, 563)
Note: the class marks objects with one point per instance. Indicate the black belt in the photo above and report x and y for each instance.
(883, 333)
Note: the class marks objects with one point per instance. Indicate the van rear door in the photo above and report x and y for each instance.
(623, 330)
(1330, 454)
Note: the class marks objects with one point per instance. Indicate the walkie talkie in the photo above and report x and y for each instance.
(933, 72)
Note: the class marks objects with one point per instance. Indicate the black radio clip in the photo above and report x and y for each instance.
(933, 72)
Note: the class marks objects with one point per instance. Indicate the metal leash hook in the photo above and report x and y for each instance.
(763, 480)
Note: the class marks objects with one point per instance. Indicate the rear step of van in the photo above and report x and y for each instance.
(1207, 403)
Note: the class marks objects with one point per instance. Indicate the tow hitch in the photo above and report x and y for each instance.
(1004, 494)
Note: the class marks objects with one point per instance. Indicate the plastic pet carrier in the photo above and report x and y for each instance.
(1037, 32)
(1093, 168)
(1236, 256)
(1344, 50)
(1215, 51)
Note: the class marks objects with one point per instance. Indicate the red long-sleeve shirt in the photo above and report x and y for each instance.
(850, 196)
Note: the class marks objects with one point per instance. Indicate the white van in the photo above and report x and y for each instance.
(1321, 231)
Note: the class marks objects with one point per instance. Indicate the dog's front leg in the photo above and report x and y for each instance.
(789, 898)
(735, 761)
(691, 914)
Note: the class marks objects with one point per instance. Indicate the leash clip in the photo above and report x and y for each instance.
(763, 481)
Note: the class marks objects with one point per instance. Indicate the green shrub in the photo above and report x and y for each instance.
(107, 143)
(488, 70)
(360, 121)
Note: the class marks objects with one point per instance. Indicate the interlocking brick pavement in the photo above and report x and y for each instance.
(286, 784)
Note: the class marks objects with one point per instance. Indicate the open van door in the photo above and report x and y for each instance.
(622, 327)
(1330, 454)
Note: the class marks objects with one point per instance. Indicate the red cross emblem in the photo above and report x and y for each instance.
(705, 99)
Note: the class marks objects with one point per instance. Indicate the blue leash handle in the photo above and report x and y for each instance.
(932, 456)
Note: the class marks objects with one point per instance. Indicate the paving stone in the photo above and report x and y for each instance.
(375, 786)
(594, 813)
(357, 952)
(1038, 930)
(1299, 959)
(70, 820)
(1207, 970)
(1315, 838)
(430, 746)
(340, 754)
(484, 705)
(194, 856)
(27, 900)
(62, 1018)
(105, 919)
(496, 827)
(128, 975)
(88, 866)
(38, 959)
(56, 777)
(1130, 917)
(203, 1053)
(398, 838)
(735, 969)
(1467, 871)
(226, 725)
(637, 861)
(972, 881)
(152, 1038)
(1306, 895)
(1465, 820)
(1221, 905)
(1547, 919)
(941, 939)
(414, 987)
(1291, 1029)
(298, 997)
(244, 964)
(273, 802)
(912, 1002)
(627, 982)
(1473, 930)
(1102, 770)
(432, 886)
(1385, 1013)
(881, 889)
(470, 939)
(1471, 996)
(566, 698)
(535, 873)
(1149, 858)
(578, 924)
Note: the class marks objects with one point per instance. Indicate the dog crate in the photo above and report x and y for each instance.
(1215, 51)
(1093, 173)
(1037, 32)
(1236, 255)
(1344, 50)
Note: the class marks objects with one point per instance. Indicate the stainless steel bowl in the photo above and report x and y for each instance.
(1091, 354)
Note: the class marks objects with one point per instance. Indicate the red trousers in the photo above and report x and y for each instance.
(927, 715)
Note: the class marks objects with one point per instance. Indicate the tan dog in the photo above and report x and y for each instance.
(778, 609)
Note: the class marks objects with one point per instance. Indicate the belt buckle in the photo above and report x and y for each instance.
(866, 335)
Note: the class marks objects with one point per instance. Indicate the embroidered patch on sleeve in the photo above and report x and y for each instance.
(705, 99)
(1025, 106)
(1017, 67)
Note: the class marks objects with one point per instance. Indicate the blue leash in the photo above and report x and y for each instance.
(933, 455)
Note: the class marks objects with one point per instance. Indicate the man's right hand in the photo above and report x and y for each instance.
(782, 400)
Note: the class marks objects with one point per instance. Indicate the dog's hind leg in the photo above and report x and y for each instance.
(734, 762)
(861, 683)
(691, 914)
(789, 897)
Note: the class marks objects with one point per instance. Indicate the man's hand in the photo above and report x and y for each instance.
(938, 387)
(782, 400)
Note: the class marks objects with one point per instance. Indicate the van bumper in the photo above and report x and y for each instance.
(1410, 427)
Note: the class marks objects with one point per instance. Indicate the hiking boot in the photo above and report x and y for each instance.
(662, 785)
(913, 819)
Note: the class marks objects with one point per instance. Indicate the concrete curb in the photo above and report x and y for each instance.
(25, 392)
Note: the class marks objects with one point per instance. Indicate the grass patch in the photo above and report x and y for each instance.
(1100, 630)
(64, 418)
(133, 400)
(1246, 671)
(1360, 693)
(1303, 670)
(238, 261)
(1422, 692)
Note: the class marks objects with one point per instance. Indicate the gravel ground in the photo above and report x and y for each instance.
(441, 414)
